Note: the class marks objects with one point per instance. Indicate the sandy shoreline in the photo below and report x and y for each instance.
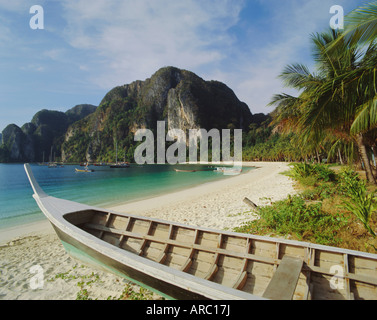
(217, 205)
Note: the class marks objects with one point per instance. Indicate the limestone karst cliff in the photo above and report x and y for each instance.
(179, 97)
(42, 137)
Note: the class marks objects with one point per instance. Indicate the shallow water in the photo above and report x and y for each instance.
(102, 187)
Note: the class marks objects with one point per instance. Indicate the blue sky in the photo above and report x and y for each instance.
(87, 47)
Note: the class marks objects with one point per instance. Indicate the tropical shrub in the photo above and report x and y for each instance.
(317, 172)
(294, 216)
(361, 203)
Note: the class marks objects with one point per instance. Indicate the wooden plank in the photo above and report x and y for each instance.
(119, 222)
(143, 244)
(309, 258)
(352, 276)
(241, 281)
(161, 259)
(292, 251)
(327, 259)
(183, 234)
(214, 268)
(209, 239)
(107, 222)
(160, 230)
(152, 250)
(234, 243)
(122, 237)
(187, 265)
(283, 284)
(251, 204)
(201, 263)
(362, 265)
(242, 277)
(263, 248)
(349, 293)
(176, 257)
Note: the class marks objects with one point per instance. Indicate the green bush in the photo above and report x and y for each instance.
(314, 172)
(349, 182)
(294, 216)
(324, 173)
(361, 203)
(301, 170)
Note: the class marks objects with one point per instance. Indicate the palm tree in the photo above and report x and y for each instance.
(344, 98)
(330, 101)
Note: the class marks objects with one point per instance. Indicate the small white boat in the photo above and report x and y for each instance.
(229, 171)
(84, 170)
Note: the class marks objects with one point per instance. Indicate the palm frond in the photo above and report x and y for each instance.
(297, 76)
(361, 27)
(361, 24)
(366, 119)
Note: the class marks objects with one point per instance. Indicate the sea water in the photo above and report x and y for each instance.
(103, 187)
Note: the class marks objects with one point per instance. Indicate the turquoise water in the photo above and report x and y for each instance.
(103, 187)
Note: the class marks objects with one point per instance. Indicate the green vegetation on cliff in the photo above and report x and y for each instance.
(40, 138)
(179, 97)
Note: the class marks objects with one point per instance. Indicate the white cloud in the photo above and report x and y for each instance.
(32, 67)
(55, 54)
(18, 6)
(134, 38)
(255, 79)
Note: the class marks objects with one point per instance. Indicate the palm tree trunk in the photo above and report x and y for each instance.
(374, 149)
(364, 158)
(340, 157)
(318, 157)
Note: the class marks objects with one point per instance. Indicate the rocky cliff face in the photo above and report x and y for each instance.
(179, 97)
(40, 136)
(14, 139)
(87, 133)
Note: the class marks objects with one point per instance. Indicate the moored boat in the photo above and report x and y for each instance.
(184, 262)
(120, 166)
(101, 164)
(180, 170)
(84, 170)
(227, 171)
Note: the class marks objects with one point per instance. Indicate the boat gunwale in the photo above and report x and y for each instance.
(58, 219)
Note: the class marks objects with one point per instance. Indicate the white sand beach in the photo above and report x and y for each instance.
(34, 265)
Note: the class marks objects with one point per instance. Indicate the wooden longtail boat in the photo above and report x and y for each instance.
(185, 262)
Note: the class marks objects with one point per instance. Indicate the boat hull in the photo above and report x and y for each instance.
(94, 258)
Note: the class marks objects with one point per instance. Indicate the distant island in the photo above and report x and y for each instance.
(42, 137)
